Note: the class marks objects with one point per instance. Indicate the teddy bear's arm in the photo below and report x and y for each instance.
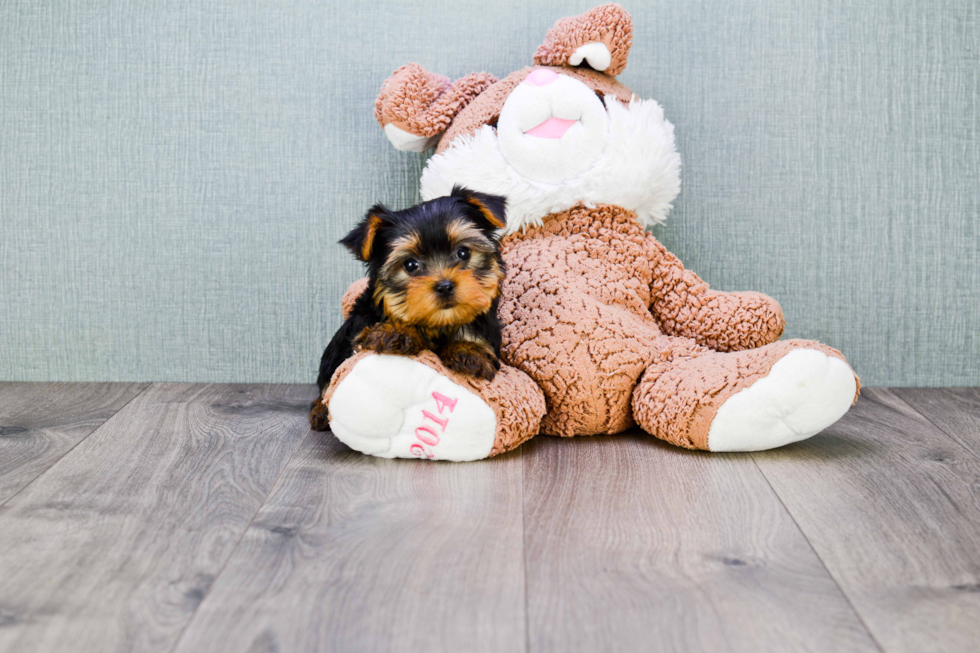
(686, 306)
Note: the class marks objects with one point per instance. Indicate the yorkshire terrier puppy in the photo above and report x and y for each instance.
(434, 281)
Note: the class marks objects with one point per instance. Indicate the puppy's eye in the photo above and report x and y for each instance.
(412, 266)
(463, 253)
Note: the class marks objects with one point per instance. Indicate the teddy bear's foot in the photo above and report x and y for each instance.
(748, 400)
(401, 407)
(395, 407)
(805, 392)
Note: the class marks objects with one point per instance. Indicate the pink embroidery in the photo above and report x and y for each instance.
(432, 439)
(441, 421)
(425, 433)
(442, 401)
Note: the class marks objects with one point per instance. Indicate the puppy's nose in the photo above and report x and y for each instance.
(444, 288)
(541, 77)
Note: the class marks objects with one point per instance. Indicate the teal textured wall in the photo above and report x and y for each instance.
(174, 176)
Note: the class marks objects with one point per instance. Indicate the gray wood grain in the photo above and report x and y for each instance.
(115, 546)
(39, 422)
(633, 545)
(352, 553)
(892, 506)
(956, 411)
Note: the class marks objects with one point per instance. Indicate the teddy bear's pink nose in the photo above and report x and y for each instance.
(541, 77)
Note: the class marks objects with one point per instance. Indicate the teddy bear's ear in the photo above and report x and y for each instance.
(415, 106)
(599, 38)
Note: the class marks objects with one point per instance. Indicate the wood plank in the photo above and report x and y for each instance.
(634, 545)
(892, 506)
(115, 546)
(353, 553)
(39, 422)
(956, 411)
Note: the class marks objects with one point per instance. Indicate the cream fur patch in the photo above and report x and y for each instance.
(597, 54)
(406, 142)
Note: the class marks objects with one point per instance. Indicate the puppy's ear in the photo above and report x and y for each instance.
(360, 241)
(491, 208)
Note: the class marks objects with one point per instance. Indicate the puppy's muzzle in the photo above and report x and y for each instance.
(444, 288)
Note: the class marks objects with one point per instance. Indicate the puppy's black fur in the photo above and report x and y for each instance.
(434, 281)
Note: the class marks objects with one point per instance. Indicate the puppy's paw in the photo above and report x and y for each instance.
(387, 338)
(319, 417)
(472, 359)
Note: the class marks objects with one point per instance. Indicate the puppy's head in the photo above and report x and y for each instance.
(436, 264)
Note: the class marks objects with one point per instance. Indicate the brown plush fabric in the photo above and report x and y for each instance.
(685, 306)
(587, 300)
(608, 24)
(355, 291)
(515, 399)
(424, 103)
(485, 109)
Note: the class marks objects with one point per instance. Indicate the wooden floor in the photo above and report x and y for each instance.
(209, 518)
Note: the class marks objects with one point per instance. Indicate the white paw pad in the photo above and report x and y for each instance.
(805, 392)
(406, 142)
(395, 407)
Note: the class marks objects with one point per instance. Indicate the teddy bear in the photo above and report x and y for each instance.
(603, 328)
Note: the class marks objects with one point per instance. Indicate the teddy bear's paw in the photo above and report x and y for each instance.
(396, 407)
(804, 392)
